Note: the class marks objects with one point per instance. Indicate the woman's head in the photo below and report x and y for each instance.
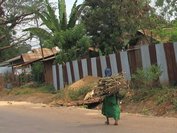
(108, 72)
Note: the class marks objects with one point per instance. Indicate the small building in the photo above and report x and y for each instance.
(22, 64)
(144, 37)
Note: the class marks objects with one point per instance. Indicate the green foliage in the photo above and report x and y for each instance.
(145, 111)
(23, 92)
(169, 32)
(67, 35)
(146, 78)
(37, 72)
(32, 88)
(13, 13)
(167, 8)
(24, 78)
(175, 103)
(108, 22)
(143, 94)
(46, 89)
(76, 44)
(162, 99)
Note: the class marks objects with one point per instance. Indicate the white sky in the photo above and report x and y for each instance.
(69, 4)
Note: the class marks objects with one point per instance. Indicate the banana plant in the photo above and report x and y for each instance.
(55, 24)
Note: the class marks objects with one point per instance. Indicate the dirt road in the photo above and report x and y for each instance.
(38, 118)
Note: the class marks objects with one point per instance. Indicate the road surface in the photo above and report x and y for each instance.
(38, 118)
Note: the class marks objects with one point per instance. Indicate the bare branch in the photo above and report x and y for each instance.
(6, 47)
(2, 37)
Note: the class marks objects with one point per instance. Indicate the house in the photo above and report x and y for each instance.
(22, 63)
(144, 37)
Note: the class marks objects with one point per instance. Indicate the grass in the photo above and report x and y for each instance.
(30, 89)
(152, 101)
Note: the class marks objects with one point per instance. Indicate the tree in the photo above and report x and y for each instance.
(66, 34)
(12, 14)
(167, 8)
(109, 23)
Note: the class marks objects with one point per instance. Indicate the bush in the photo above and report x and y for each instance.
(146, 78)
(47, 89)
(79, 93)
(37, 72)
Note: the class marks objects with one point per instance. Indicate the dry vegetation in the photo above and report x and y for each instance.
(161, 101)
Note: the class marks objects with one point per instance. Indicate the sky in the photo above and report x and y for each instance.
(69, 4)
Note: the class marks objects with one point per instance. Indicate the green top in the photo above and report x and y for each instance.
(110, 107)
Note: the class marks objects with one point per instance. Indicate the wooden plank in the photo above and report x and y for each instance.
(99, 71)
(171, 62)
(138, 58)
(72, 72)
(108, 62)
(89, 66)
(80, 69)
(119, 63)
(153, 55)
(65, 75)
(132, 61)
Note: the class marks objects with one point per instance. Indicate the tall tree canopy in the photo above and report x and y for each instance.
(12, 14)
(167, 8)
(108, 22)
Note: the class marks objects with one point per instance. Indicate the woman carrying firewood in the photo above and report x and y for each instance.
(110, 107)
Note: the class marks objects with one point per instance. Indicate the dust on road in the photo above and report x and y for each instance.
(39, 118)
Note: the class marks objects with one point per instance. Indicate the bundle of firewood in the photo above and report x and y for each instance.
(107, 86)
(110, 85)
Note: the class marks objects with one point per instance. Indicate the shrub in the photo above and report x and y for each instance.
(146, 78)
(37, 72)
(47, 88)
(79, 93)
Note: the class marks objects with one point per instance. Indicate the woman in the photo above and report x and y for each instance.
(110, 107)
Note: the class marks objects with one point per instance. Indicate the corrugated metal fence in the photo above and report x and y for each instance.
(164, 55)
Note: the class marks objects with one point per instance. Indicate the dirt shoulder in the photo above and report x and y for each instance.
(45, 98)
(153, 102)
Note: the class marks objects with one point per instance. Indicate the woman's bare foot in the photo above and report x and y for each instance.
(116, 123)
(107, 122)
